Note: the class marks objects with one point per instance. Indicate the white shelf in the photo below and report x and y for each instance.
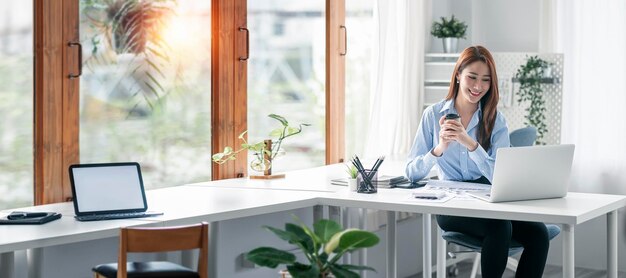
(438, 81)
(437, 87)
(443, 55)
(439, 63)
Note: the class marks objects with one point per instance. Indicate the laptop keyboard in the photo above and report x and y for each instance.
(96, 217)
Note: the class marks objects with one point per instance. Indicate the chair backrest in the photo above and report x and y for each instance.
(522, 137)
(164, 239)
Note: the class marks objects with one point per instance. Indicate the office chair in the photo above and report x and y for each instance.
(520, 137)
(158, 240)
(524, 136)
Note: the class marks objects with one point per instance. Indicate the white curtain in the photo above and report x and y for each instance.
(592, 36)
(401, 31)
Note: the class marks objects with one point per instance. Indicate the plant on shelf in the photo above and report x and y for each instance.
(529, 76)
(265, 151)
(323, 247)
(449, 30)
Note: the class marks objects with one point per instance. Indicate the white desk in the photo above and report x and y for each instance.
(570, 211)
(63, 231)
(230, 199)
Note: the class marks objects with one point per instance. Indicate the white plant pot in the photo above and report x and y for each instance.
(352, 184)
(450, 45)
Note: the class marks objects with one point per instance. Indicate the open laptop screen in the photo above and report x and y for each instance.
(109, 187)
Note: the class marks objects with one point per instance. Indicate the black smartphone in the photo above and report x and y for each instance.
(409, 185)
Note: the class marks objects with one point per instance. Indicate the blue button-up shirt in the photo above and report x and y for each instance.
(456, 163)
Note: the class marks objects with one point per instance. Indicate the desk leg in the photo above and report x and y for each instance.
(7, 264)
(391, 244)
(186, 258)
(35, 261)
(568, 251)
(441, 254)
(427, 246)
(363, 251)
(334, 213)
(611, 244)
(213, 233)
(318, 213)
(345, 223)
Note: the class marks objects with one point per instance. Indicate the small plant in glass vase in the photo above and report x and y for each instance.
(262, 152)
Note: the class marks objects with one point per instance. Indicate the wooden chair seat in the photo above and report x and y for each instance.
(146, 270)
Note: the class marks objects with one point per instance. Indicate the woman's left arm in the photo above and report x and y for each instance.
(499, 139)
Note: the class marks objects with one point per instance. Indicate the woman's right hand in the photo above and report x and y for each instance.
(443, 141)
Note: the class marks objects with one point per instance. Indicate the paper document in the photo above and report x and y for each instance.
(457, 189)
(457, 185)
(430, 195)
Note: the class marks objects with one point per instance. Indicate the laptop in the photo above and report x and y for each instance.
(529, 173)
(108, 191)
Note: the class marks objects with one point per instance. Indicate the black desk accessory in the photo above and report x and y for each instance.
(26, 218)
(367, 176)
(411, 185)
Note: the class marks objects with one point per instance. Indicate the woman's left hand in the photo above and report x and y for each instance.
(454, 130)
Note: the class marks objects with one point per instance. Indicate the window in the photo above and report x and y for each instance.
(145, 92)
(16, 103)
(286, 75)
(359, 23)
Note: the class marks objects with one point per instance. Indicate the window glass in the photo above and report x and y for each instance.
(16, 103)
(286, 75)
(145, 92)
(359, 24)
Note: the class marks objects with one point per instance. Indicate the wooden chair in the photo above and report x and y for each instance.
(158, 240)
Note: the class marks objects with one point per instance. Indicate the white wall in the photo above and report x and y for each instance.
(499, 25)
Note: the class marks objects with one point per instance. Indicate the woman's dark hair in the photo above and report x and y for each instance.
(489, 101)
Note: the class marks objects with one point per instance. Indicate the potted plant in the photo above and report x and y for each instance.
(323, 247)
(530, 76)
(352, 175)
(263, 152)
(449, 30)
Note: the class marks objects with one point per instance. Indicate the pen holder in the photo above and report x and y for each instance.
(367, 185)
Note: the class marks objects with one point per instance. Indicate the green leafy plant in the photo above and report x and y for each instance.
(529, 76)
(352, 171)
(259, 149)
(131, 27)
(323, 247)
(449, 28)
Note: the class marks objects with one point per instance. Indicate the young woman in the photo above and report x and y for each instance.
(465, 150)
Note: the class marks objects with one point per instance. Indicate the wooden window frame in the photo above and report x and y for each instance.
(336, 49)
(56, 96)
(56, 99)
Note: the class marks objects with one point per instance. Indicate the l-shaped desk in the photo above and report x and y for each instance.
(230, 199)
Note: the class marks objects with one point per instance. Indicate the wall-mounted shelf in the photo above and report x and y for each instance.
(546, 80)
(443, 55)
